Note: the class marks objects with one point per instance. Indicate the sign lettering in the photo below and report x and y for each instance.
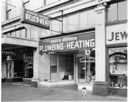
(67, 43)
(36, 19)
(117, 34)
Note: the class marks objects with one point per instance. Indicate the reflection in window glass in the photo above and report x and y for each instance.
(73, 22)
(9, 34)
(122, 11)
(23, 33)
(86, 68)
(13, 34)
(65, 25)
(18, 34)
(90, 18)
(117, 11)
(112, 12)
(28, 33)
(50, 1)
(55, 25)
(32, 33)
(60, 24)
(83, 19)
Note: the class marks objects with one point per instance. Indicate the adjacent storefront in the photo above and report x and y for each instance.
(17, 65)
(117, 59)
(71, 58)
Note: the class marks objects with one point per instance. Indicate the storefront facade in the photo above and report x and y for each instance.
(17, 54)
(88, 61)
(17, 65)
(73, 44)
(111, 56)
(66, 56)
(117, 58)
(19, 46)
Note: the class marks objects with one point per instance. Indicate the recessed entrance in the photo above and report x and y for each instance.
(66, 66)
(62, 66)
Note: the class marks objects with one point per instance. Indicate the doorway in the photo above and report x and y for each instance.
(18, 70)
(66, 66)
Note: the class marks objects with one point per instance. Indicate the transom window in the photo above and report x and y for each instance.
(117, 11)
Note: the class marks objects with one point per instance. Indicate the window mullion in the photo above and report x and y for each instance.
(117, 12)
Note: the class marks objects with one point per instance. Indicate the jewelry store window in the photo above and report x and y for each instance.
(118, 67)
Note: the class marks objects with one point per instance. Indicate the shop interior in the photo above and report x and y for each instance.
(62, 66)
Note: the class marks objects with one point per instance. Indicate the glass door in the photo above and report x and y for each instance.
(86, 68)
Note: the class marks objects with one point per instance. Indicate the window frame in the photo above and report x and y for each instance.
(118, 20)
(108, 70)
(8, 11)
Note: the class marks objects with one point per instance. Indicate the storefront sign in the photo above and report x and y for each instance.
(117, 50)
(118, 54)
(36, 19)
(117, 34)
(72, 42)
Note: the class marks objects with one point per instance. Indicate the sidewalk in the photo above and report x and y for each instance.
(19, 92)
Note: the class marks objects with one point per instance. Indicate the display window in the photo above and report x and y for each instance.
(61, 67)
(118, 67)
(86, 67)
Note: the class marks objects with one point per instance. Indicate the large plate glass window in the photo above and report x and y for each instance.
(118, 67)
(86, 67)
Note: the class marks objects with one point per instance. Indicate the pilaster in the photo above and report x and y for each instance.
(100, 85)
(35, 67)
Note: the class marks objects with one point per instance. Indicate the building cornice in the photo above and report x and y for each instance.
(71, 8)
(58, 3)
(70, 4)
(76, 6)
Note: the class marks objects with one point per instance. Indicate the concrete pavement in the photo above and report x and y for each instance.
(21, 92)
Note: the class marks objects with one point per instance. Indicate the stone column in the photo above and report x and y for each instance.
(35, 67)
(100, 85)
